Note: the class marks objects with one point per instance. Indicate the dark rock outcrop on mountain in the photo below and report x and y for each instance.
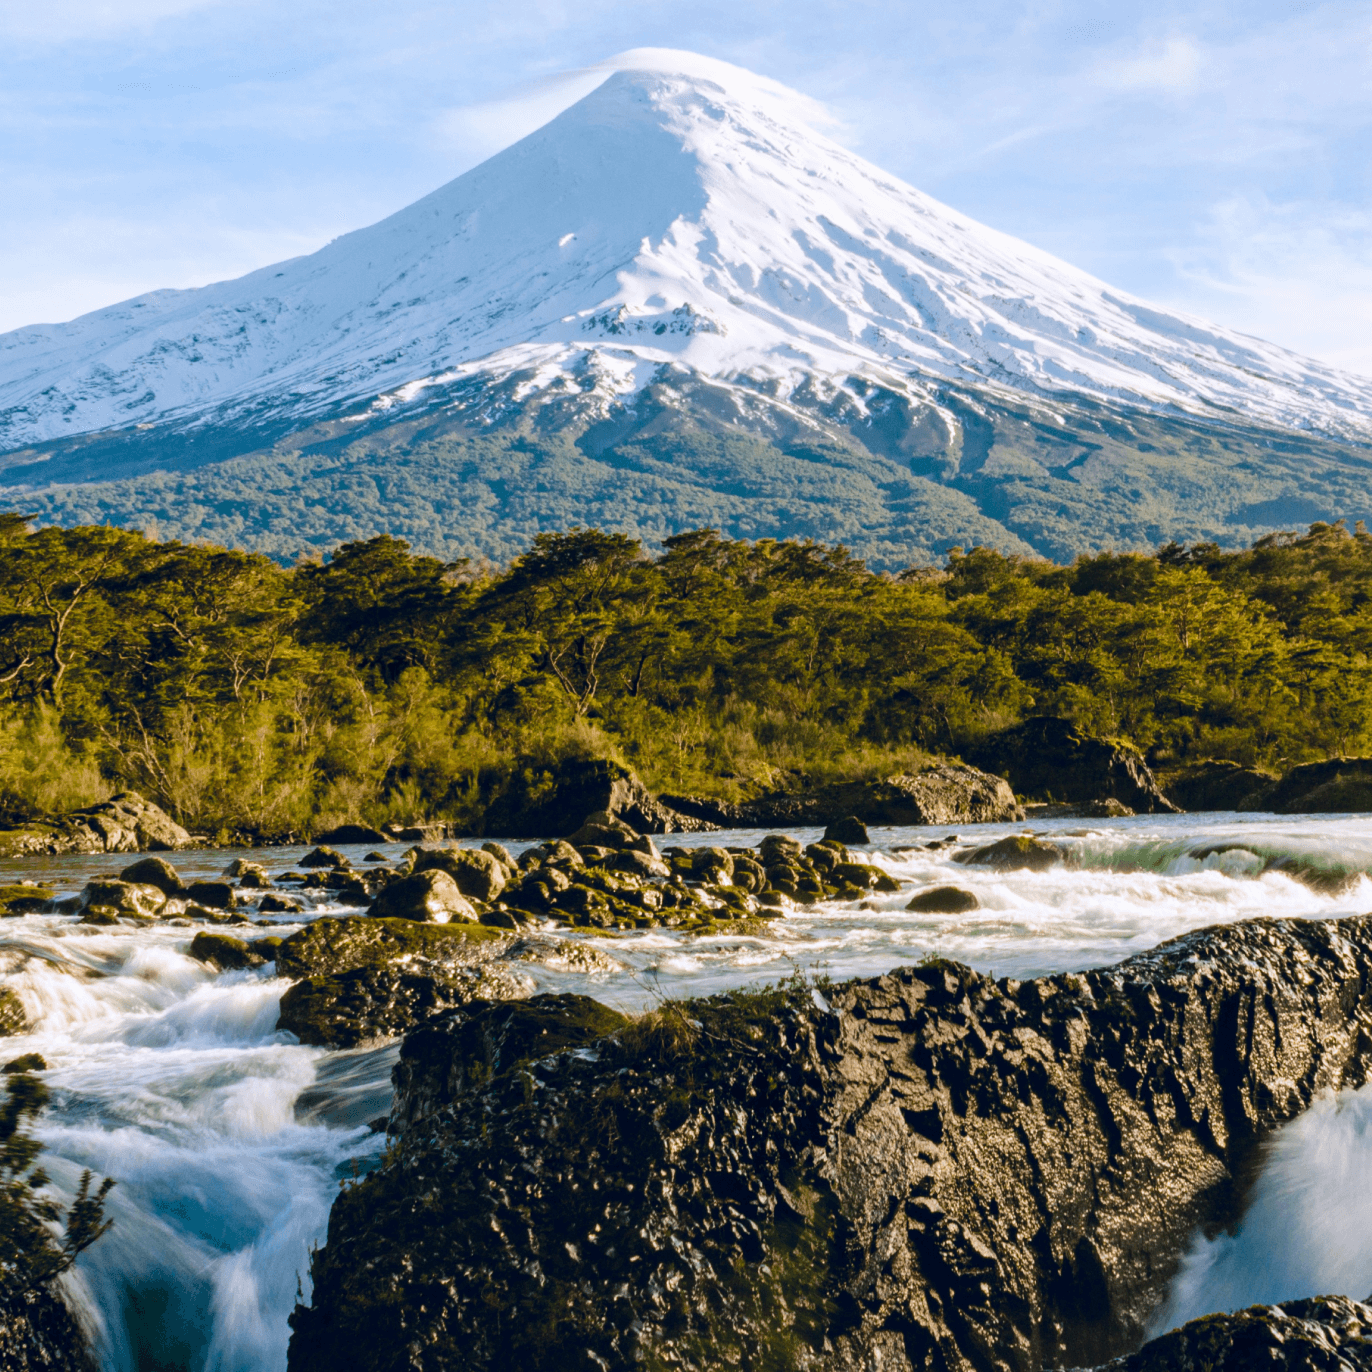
(925, 1170)
(1216, 784)
(1051, 759)
(1326, 1334)
(1339, 786)
(126, 823)
(949, 793)
(39, 1334)
(578, 789)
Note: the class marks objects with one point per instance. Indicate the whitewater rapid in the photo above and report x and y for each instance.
(229, 1140)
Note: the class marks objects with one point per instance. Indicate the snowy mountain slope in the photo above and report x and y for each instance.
(683, 214)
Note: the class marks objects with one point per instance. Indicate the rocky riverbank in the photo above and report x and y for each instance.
(926, 1169)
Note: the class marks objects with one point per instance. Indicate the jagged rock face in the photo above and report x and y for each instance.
(933, 1171)
(38, 1334)
(1051, 759)
(1326, 1334)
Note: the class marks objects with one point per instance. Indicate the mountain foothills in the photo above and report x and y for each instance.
(676, 305)
(248, 699)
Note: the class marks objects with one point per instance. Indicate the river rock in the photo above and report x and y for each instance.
(1340, 786)
(232, 954)
(1051, 759)
(1325, 1334)
(557, 802)
(24, 898)
(926, 1169)
(369, 1003)
(849, 829)
(944, 900)
(13, 1017)
(214, 895)
(155, 871)
(1014, 853)
(324, 856)
(135, 898)
(327, 947)
(479, 875)
(353, 833)
(1217, 785)
(429, 897)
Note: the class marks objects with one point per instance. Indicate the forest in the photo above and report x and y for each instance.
(252, 699)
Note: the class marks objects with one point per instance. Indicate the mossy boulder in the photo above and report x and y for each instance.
(154, 871)
(429, 897)
(369, 1003)
(1014, 853)
(944, 900)
(13, 1018)
(327, 947)
(272, 904)
(230, 954)
(19, 899)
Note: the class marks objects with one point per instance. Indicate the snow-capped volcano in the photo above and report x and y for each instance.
(682, 213)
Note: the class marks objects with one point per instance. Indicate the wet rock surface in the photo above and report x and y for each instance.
(928, 1169)
(39, 1334)
(1051, 759)
(1326, 1334)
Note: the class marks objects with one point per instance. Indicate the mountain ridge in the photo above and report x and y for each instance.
(680, 237)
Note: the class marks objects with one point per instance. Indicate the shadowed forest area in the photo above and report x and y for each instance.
(247, 698)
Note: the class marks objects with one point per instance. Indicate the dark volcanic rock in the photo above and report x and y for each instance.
(578, 789)
(1217, 785)
(1326, 1334)
(326, 947)
(39, 1334)
(380, 1002)
(931, 1170)
(1051, 759)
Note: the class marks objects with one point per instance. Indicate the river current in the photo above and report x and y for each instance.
(229, 1140)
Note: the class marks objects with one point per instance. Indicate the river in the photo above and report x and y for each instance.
(229, 1140)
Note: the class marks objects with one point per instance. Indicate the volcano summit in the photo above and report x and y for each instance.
(675, 304)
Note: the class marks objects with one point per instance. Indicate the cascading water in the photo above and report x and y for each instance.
(229, 1140)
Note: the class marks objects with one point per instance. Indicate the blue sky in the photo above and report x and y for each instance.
(1213, 156)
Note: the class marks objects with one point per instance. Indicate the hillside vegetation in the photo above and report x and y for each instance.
(249, 698)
